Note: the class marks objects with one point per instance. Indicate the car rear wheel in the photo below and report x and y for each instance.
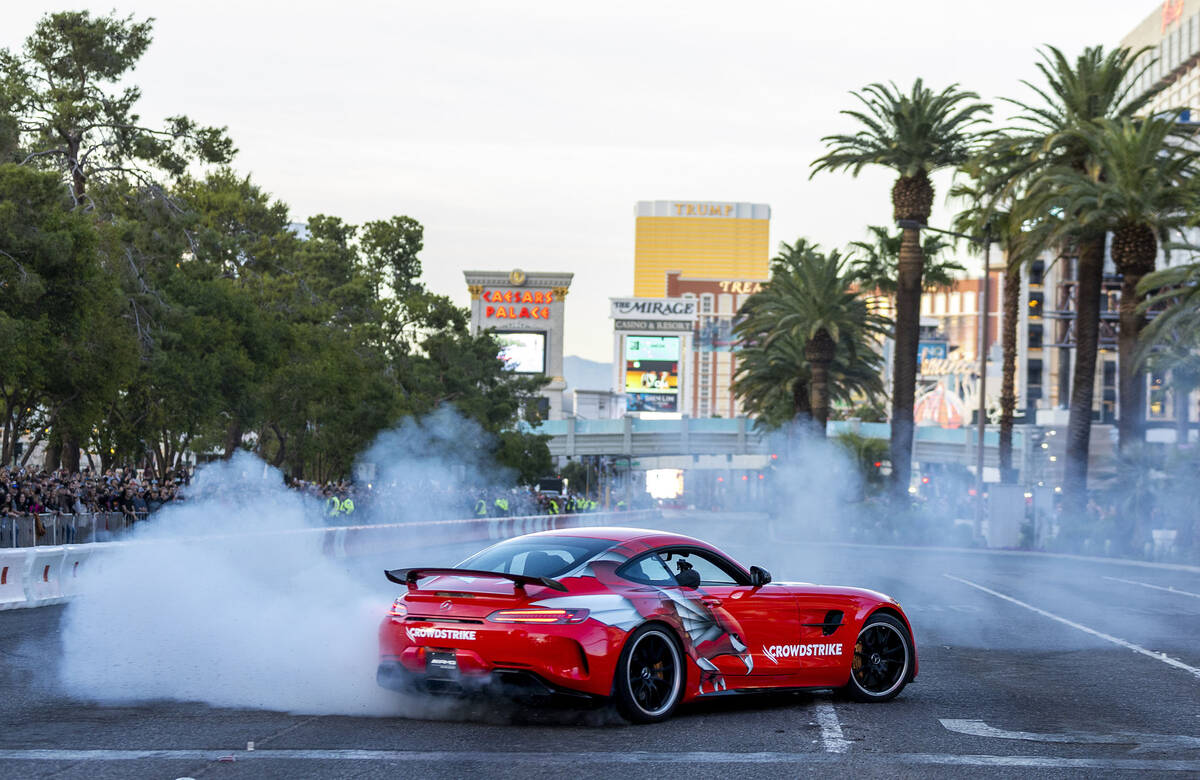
(649, 680)
(882, 660)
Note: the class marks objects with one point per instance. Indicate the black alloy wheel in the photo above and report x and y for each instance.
(649, 680)
(882, 660)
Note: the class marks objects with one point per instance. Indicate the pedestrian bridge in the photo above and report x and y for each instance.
(635, 437)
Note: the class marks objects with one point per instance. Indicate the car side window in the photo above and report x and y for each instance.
(710, 571)
(541, 563)
(649, 570)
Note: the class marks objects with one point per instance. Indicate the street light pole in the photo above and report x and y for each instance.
(984, 313)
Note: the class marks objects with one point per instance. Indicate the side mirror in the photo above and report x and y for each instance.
(759, 576)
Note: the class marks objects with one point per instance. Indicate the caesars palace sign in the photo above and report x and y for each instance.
(520, 300)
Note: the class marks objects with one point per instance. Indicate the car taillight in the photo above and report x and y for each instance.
(398, 609)
(542, 615)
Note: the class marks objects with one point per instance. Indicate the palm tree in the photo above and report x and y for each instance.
(1176, 351)
(1052, 135)
(914, 135)
(811, 299)
(773, 378)
(1139, 184)
(1171, 342)
(875, 261)
(989, 213)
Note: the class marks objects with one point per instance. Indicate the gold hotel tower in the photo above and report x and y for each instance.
(702, 239)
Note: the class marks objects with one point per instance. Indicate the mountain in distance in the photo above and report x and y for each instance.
(583, 374)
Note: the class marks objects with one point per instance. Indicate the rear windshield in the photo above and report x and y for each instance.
(547, 556)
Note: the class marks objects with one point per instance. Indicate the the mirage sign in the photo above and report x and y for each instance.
(658, 309)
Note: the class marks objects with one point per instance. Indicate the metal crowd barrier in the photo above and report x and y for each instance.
(21, 531)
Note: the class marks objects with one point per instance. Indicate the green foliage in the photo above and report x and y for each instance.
(1172, 339)
(810, 292)
(61, 344)
(1134, 173)
(876, 261)
(865, 452)
(1052, 135)
(575, 472)
(76, 114)
(391, 248)
(146, 311)
(918, 132)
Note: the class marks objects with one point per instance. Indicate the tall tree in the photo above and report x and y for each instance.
(1171, 342)
(914, 135)
(1051, 133)
(876, 261)
(74, 113)
(773, 378)
(71, 111)
(813, 298)
(391, 248)
(1140, 183)
(989, 214)
(62, 350)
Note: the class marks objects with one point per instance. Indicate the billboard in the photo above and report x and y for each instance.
(652, 402)
(652, 373)
(523, 352)
(932, 350)
(660, 309)
(715, 334)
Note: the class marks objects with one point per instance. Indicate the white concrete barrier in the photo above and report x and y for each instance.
(43, 582)
(13, 564)
(38, 576)
(71, 571)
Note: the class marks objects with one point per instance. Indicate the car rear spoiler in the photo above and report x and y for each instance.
(409, 577)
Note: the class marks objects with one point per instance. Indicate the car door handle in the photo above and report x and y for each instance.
(711, 602)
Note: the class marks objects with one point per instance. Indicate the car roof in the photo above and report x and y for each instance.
(647, 536)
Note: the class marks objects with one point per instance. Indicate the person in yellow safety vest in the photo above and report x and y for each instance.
(480, 508)
(347, 506)
(553, 507)
(332, 506)
(502, 506)
(620, 506)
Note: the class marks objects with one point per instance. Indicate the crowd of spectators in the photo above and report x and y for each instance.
(26, 492)
(31, 494)
(370, 502)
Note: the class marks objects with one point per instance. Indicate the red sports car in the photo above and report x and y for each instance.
(647, 618)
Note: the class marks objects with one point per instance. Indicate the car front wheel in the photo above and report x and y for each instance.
(882, 660)
(649, 679)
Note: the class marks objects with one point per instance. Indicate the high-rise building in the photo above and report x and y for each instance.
(714, 254)
(1172, 36)
(701, 240)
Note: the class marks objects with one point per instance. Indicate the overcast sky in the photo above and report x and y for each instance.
(522, 133)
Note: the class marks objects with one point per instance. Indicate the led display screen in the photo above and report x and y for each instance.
(523, 352)
(652, 373)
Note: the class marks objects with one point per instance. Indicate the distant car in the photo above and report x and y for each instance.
(648, 618)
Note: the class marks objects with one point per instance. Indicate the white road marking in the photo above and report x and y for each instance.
(1163, 657)
(1155, 587)
(568, 758)
(977, 728)
(832, 740)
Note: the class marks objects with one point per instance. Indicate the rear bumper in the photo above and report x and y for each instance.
(508, 683)
(579, 658)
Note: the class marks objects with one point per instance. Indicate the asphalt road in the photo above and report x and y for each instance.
(1030, 665)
